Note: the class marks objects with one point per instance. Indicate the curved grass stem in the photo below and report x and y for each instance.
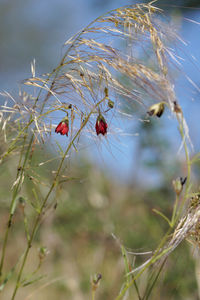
(37, 221)
(13, 204)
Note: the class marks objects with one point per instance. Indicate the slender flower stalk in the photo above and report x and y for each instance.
(89, 69)
(54, 183)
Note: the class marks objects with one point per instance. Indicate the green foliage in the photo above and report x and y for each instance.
(69, 218)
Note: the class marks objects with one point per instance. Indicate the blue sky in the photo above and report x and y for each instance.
(50, 24)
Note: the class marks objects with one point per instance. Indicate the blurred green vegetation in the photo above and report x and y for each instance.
(78, 232)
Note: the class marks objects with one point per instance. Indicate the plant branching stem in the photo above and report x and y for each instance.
(12, 205)
(37, 221)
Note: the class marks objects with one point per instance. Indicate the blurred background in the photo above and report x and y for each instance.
(37, 30)
(117, 190)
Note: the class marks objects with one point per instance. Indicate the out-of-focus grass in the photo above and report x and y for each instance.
(78, 236)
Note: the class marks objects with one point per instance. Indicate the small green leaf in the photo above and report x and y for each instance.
(163, 216)
(33, 280)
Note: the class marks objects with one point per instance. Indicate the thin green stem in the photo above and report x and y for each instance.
(187, 156)
(12, 206)
(20, 169)
(93, 294)
(137, 290)
(173, 219)
(16, 189)
(55, 73)
(15, 192)
(156, 256)
(37, 221)
(150, 287)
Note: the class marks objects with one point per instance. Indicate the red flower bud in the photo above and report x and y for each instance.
(63, 127)
(101, 125)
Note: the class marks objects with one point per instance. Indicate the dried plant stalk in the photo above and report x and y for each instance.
(125, 56)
